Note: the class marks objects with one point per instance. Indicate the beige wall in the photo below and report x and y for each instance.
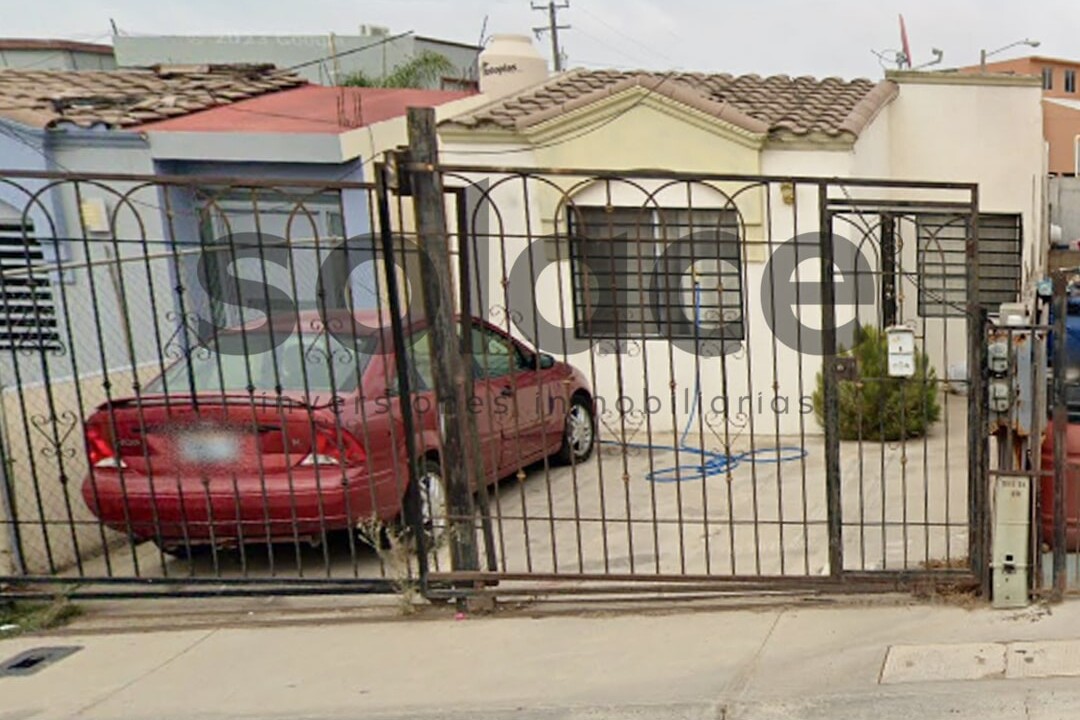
(1061, 124)
(986, 133)
(33, 418)
(989, 133)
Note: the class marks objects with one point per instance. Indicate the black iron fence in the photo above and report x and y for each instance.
(461, 375)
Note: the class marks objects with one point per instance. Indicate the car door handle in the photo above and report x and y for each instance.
(507, 391)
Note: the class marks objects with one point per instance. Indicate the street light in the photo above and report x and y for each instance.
(983, 54)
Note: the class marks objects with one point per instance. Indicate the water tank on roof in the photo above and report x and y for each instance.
(509, 64)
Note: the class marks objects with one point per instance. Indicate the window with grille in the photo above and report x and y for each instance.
(27, 310)
(1070, 81)
(942, 262)
(662, 273)
(1048, 78)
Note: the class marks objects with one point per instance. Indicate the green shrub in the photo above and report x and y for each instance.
(876, 406)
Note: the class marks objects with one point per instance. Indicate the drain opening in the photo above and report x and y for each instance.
(36, 659)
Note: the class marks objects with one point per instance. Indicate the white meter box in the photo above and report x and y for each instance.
(901, 346)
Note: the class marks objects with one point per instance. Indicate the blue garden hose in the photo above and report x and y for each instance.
(712, 463)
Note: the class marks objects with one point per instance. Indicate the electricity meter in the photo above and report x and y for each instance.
(901, 345)
(998, 358)
(999, 396)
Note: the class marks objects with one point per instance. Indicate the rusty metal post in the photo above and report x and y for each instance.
(1060, 424)
(978, 422)
(831, 394)
(412, 490)
(447, 367)
(888, 269)
(476, 457)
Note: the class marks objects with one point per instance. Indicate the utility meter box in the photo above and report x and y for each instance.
(1010, 564)
(998, 358)
(901, 345)
(1000, 397)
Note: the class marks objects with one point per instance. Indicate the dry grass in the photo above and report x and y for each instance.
(27, 617)
(396, 549)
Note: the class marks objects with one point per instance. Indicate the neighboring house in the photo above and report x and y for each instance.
(310, 133)
(100, 282)
(80, 312)
(325, 59)
(35, 54)
(1061, 104)
(83, 122)
(222, 121)
(909, 126)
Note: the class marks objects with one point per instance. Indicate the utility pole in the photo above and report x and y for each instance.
(553, 27)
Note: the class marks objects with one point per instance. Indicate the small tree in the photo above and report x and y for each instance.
(876, 406)
(424, 69)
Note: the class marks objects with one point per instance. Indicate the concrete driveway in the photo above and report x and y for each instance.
(645, 509)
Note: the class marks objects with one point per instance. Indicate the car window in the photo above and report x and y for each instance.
(493, 355)
(316, 364)
(419, 361)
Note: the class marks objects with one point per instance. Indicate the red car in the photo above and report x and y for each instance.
(211, 453)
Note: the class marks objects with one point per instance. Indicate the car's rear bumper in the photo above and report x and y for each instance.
(225, 510)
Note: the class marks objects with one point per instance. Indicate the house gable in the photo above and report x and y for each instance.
(638, 128)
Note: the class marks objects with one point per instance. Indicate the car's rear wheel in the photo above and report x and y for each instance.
(579, 432)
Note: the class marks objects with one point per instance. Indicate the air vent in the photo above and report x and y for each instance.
(27, 308)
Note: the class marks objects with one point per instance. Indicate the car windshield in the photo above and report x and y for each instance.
(315, 364)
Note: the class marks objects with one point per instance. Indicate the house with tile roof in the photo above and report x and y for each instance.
(85, 123)
(134, 202)
(907, 126)
(225, 121)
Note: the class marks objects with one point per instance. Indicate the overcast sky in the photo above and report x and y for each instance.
(799, 37)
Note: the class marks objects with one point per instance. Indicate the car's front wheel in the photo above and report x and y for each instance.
(579, 432)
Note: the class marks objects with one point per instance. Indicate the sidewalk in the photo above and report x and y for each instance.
(827, 662)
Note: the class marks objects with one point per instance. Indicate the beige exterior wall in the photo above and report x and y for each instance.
(965, 132)
(47, 466)
(986, 133)
(641, 132)
(1061, 124)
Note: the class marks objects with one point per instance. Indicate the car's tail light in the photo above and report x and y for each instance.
(100, 450)
(335, 447)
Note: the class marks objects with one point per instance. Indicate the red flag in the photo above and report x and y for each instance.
(904, 42)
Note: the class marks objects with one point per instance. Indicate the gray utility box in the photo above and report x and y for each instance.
(1012, 536)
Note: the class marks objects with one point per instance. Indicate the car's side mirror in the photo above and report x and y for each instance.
(546, 362)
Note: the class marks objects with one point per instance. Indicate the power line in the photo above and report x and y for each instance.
(624, 35)
(553, 27)
(384, 41)
(610, 46)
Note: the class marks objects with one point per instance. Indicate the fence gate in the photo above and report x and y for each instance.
(696, 390)
(226, 385)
